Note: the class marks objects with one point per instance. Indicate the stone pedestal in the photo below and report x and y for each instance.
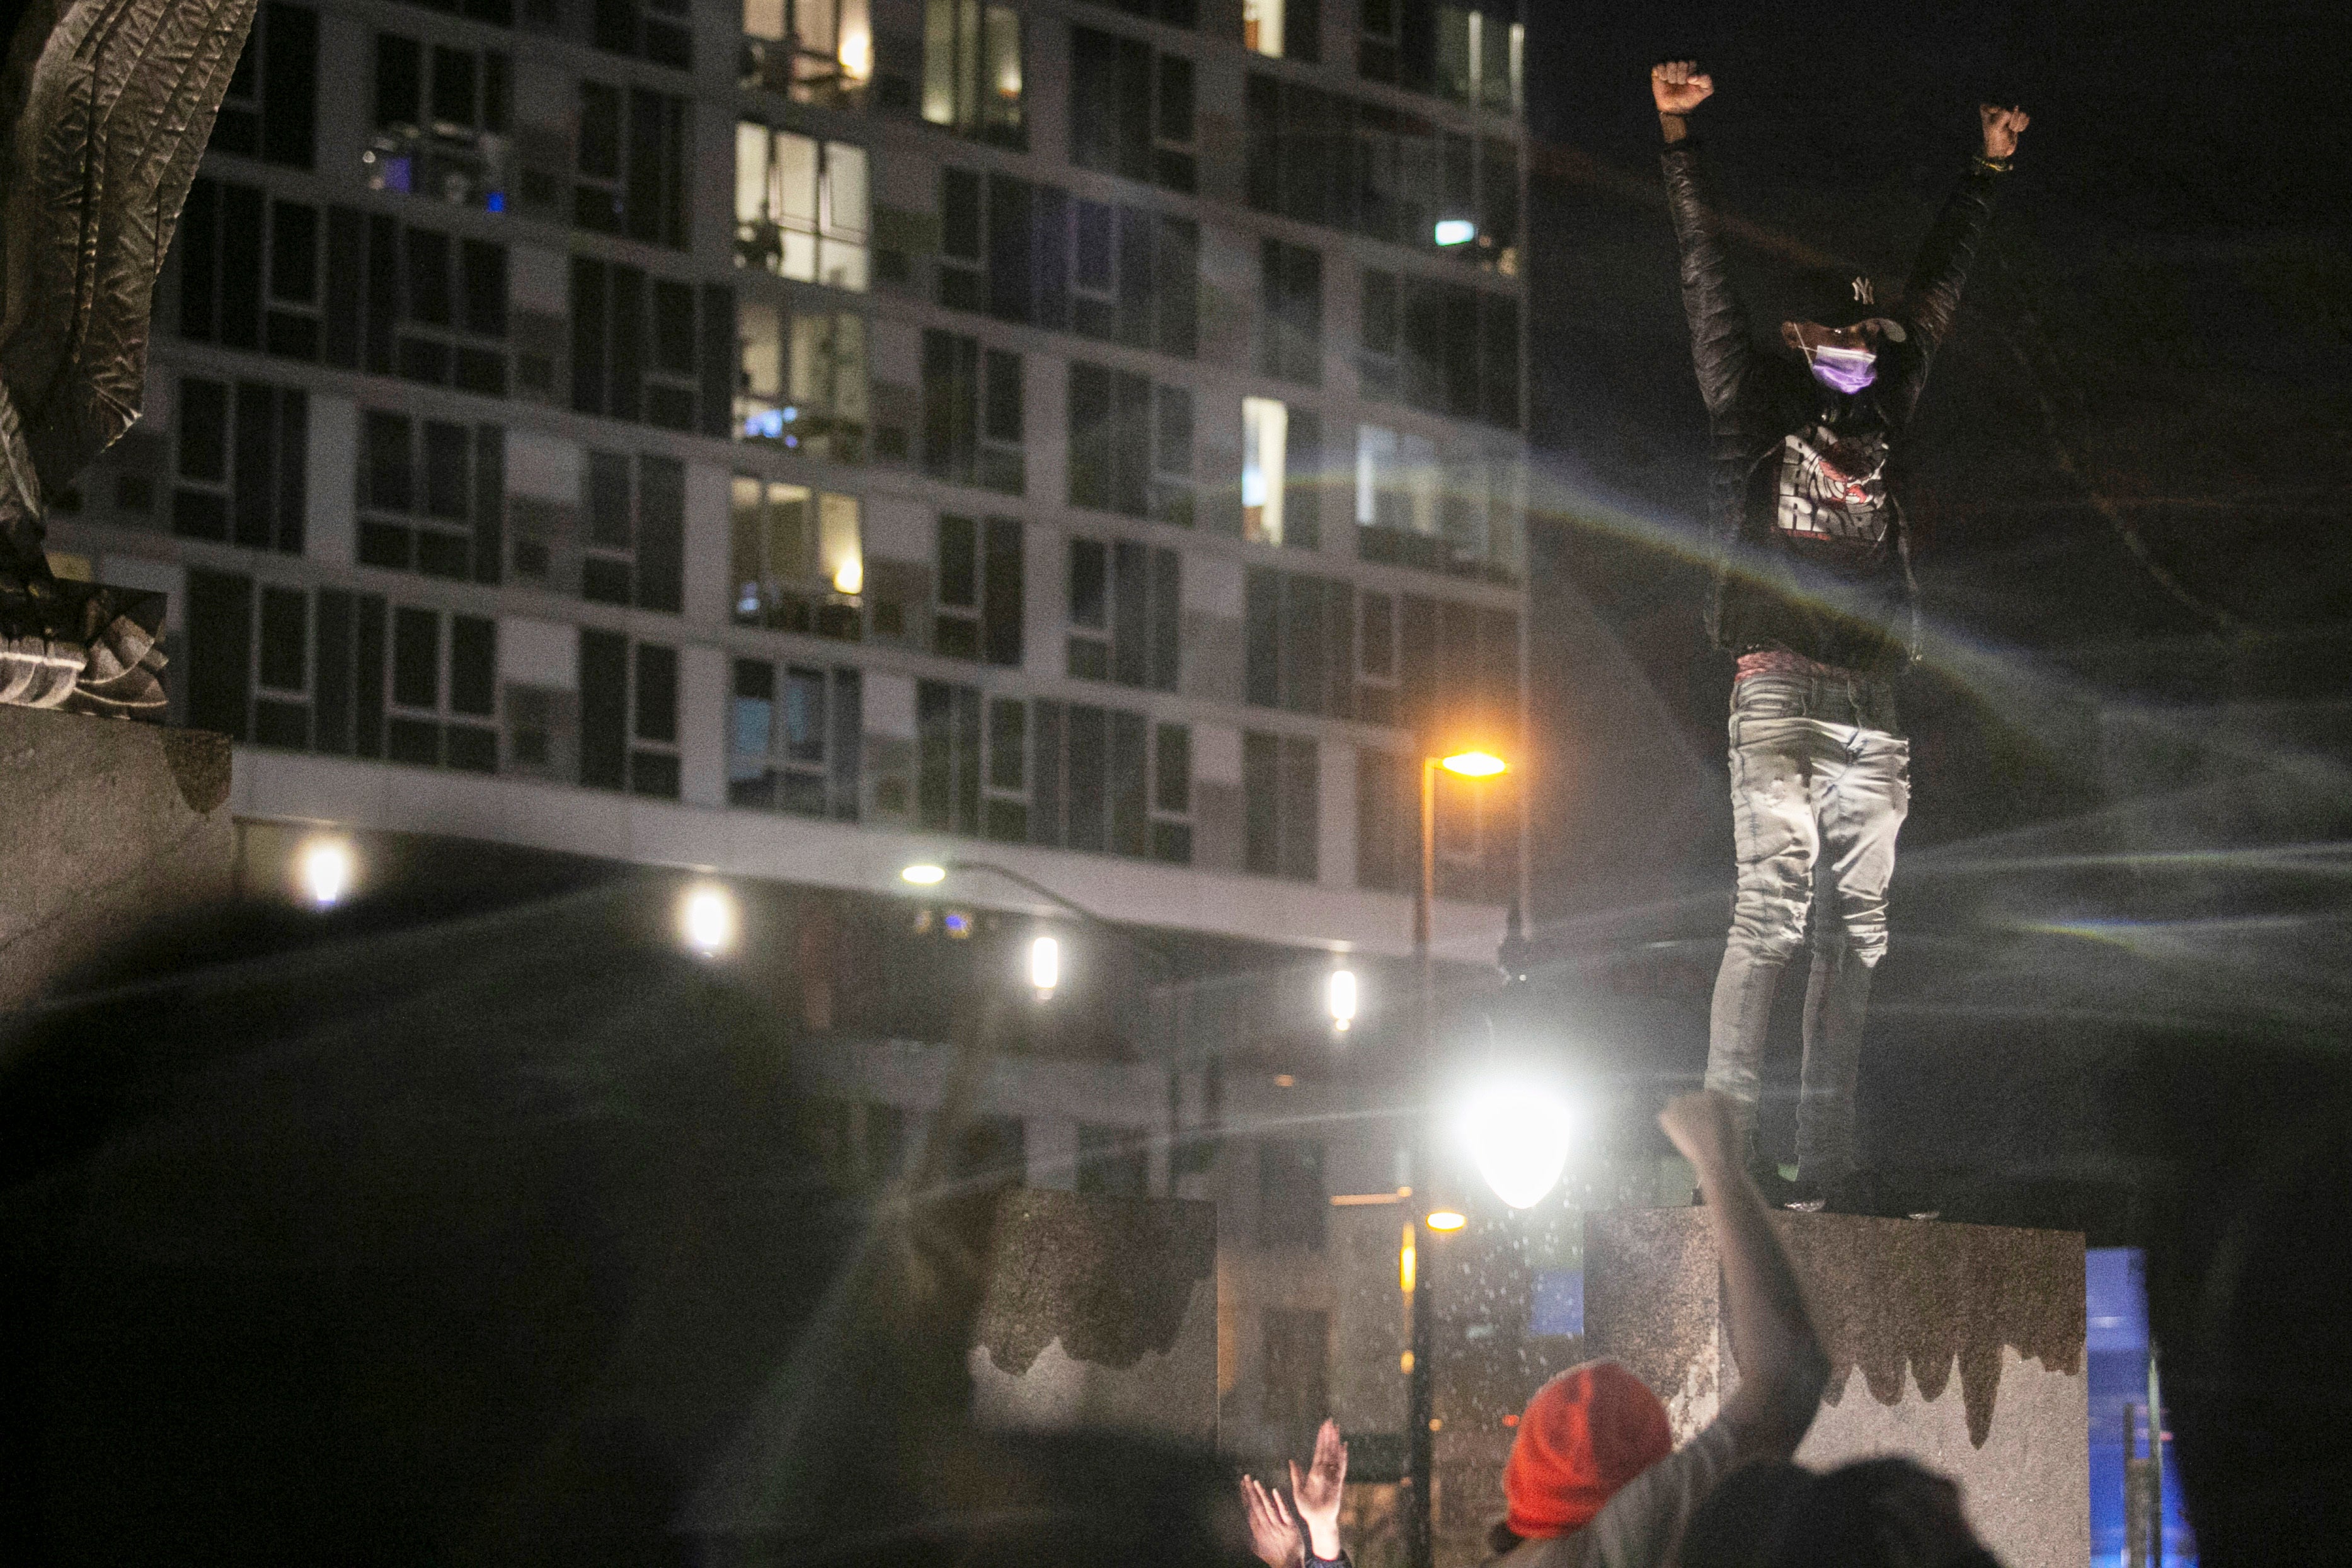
(104, 824)
(1960, 1345)
(1100, 1311)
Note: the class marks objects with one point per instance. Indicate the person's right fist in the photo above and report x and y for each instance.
(1679, 86)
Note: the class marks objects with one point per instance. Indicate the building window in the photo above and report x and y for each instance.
(803, 207)
(1029, 253)
(633, 164)
(1132, 110)
(661, 31)
(971, 414)
(432, 495)
(795, 735)
(1284, 30)
(1381, 172)
(1396, 481)
(1265, 472)
(971, 70)
(1478, 58)
(947, 757)
(243, 448)
(1290, 313)
(804, 385)
(797, 560)
(1130, 445)
(344, 673)
(1420, 657)
(1442, 346)
(441, 122)
(1109, 781)
(1376, 660)
(250, 270)
(636, 534)
(1282, 791)
(1126, 610)
(639, 353)
(628, 715)
(816, 51)
(271, 111)
(979, 616)
(1299, 643)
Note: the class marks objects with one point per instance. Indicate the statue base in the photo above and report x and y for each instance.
(105, 826)
(1959, 1345)
(1100, 1313)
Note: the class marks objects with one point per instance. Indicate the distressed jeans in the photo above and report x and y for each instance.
(1821, 780)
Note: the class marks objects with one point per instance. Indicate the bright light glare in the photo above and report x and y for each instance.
(327, 872)
(1518, 1132)
(1455, 230)
(706, 920)
(1475, 764)
(924, 874)
(1446, 1219)
(1341, 997)
(1045, 963)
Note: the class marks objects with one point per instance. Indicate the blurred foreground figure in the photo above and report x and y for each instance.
(1814, 597)
(1593, 1480)
(105, 108)
(1876, 1513)
(491, 1242)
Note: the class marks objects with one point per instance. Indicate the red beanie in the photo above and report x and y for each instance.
(1585, 1434)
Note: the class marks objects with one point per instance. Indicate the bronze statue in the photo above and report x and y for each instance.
(105, 108)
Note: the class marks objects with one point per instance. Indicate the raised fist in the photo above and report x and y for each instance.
(2002, 127)
(1679, 86)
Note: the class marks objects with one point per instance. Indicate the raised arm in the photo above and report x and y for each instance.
(1718, 327)
(1783, 1367)
(1931, 301)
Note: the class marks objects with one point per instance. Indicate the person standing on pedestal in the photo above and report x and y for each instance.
(1814, 597)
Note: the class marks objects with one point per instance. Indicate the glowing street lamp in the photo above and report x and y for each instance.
(1339, 996)
(1475, 764)
(924, 873)
(1044, 966)
(706, 920)
(327, 870)
(1446, 1219)
(1519, 1135)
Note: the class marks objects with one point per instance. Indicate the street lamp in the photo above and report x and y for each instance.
(1518, 1132)
(1339, 996)
(706, 918)
(1044, 966)
(1470, 762)
(327, 872)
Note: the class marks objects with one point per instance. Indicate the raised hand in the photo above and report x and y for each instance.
(1679, 86)
(2002, 127)
(1274, 1535)
(1318, 1490)
(1703, 1129)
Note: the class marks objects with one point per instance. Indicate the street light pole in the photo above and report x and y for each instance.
(1421, 1399)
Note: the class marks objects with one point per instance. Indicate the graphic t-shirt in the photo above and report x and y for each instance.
(1830, 493)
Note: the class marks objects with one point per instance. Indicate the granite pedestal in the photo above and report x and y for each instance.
(104, 825)
(1100, 1313)
(1960, 1345)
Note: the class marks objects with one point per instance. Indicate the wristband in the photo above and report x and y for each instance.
(1986, 164)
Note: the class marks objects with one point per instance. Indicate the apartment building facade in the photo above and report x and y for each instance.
(790, 438)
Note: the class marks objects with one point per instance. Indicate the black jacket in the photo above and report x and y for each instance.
(1856, 613)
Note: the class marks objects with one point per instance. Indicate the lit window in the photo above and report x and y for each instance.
(1396, 480)
(1266, 437)
(971, 70)
(1262, 26)
(797, 558)
(818, 51)
(803, 209)
(804, 380)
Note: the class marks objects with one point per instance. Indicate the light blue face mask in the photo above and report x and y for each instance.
(1844, 369)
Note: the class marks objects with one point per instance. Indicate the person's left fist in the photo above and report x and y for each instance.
(2002, 127)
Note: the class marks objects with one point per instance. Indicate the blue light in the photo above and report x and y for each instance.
(1457, 231)
(768, 423)
(496, 202)
(958, 924)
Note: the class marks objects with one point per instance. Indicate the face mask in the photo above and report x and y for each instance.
(1844, 369)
